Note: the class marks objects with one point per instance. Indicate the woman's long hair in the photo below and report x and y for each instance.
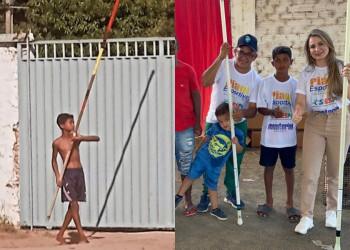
(334, 80)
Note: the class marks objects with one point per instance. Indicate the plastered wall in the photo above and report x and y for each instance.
(9, 147)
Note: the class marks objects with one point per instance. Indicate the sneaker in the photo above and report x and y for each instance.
(203, 204)
(231, 199)
(305, 224)
(331, 219)
(218, 213)
(189, 211)
(178, 198)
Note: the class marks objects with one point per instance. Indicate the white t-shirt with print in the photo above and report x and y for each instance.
(244, 89)
(278, 132)
(312, 83)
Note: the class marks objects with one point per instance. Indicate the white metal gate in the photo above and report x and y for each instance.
(54, 80)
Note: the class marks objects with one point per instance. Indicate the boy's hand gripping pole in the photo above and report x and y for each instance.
(234, 153)
(92, 78)
(342, 132)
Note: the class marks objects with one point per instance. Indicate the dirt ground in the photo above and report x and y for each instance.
(203, 231)
(41, 239)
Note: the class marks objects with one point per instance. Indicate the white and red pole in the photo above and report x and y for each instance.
(229, 94)
(92, 78)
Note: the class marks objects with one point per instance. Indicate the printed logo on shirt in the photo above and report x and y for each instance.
(283, 100)
(318, 84)
(235, 105)
(328, 111)
(238, 89)
(280, 127)
(219, 145)
(320, 102)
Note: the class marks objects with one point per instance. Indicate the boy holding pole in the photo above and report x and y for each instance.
(72, 182)
(213, 152)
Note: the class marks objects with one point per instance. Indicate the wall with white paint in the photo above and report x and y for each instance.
(288, 23)
(9, 183)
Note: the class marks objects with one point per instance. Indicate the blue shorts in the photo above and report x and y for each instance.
(184, 145)
(268, 156)
(212, 174)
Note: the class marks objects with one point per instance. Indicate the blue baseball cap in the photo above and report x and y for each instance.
(248, 40)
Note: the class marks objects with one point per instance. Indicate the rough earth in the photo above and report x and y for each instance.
(41, 239)
(203, 231)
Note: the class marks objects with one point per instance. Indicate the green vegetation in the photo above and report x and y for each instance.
(76, 19)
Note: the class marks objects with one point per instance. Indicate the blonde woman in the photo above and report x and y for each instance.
(319, 93)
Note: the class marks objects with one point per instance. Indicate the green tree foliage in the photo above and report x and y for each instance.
(145, 18)
(77, 19)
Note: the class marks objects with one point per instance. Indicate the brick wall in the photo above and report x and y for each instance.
(289, 22)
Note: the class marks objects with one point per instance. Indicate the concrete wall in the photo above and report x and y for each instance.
(242, 18)
(288, 23)
(9, 182)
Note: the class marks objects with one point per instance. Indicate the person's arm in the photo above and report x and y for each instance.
(79, 137)
(203, 141)
(196, 99)
(277, 112)
(250, 112)
(299, 108)
(208, 77)
(55, 164)
(239, 147)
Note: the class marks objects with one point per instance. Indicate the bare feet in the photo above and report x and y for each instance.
(83, 239)
(60, 239)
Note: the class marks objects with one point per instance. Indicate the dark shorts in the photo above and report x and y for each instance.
(73, 185)
(268, 156)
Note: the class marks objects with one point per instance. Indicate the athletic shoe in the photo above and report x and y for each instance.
(331, 219)
(189, 211)
(232, 200)
(178, 198)
(218, 213)
(305, 224)
(203, 204)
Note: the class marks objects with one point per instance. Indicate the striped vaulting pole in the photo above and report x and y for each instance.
(92, 78)
(234, 152)
(342, 132)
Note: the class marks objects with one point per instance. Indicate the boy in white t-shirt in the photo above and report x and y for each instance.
(245, 85)
(276, 99)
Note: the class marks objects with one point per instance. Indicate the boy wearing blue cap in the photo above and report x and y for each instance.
(245, 84)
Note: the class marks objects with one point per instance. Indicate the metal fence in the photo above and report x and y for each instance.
(143, 47)
(54, 80)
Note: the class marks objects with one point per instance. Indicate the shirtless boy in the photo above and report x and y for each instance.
(73, 182)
